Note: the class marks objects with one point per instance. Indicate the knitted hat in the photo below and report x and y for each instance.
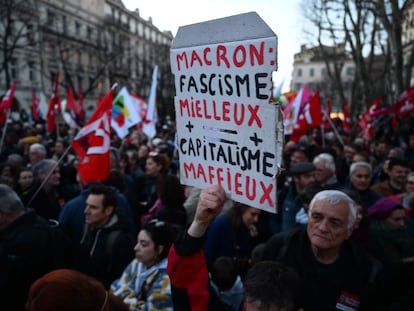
(382, 208)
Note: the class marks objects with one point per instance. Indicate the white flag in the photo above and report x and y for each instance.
(151, 117)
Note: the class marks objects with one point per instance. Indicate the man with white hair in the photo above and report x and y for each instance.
(360, 176)
(337, 274)
(325, 170)
(37, 152)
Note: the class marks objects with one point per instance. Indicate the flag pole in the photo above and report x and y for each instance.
(323, 135)
(3, 134)
(334, 128)
(48, 175)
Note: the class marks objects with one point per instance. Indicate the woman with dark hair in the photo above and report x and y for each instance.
(169, 206)
(144, 284)
(232, 234)
(66, 289)
(24, 181)
(156, 164)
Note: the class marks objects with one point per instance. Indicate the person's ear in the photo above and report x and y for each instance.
(109, 210)
(160, 249)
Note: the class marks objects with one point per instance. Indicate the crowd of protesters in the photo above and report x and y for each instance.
(118, 231)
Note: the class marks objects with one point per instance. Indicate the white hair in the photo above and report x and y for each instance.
(334, 197)
(355, 165)
(328, 159)
(39, 148)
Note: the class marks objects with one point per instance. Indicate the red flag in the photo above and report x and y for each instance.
(368, 132)
(93, 141)
(327, 114)
(6, 103)
(347, 120)
(53, 105)
(141, 106)
(314, 112)
(309, 117)
(35, 107)
(72, 107)
(405, 103)
(367, 118)
(328, 107)
(81, 108)
(292, 111)
(371, 111)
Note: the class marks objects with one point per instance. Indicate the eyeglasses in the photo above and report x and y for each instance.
(410, 182)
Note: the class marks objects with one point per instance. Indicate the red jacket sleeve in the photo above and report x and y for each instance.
(189, 281)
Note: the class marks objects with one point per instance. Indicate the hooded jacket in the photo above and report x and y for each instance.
(104, 252)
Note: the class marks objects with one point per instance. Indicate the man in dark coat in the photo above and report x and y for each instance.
(337, 274)
(104, 247)
(27, 250)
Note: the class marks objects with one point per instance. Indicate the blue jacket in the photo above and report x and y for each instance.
(72, 216)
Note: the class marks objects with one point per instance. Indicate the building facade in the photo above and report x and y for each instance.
(92, 44)
(310, 69)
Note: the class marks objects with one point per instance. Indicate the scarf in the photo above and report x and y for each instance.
(399, 238)
(144, 272)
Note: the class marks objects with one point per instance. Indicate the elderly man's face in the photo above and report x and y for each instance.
(361, 178)
(328, 225)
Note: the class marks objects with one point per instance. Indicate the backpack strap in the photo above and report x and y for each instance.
(110, 243)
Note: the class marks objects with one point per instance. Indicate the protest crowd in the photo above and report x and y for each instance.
(343, 237)
(96, 213)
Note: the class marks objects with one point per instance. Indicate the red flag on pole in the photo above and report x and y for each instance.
(367, 118)
(327, 114)
(93, 141)
(309, 117)
(6, 103)
(35, 107)
(405, 103)
(73, 108)
(53, 106)
(347, 120)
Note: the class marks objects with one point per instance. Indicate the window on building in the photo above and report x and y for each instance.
(300, 72)
(50, 18)
(64, 24)
(13, 68)
(30, 34)
(80, 82)
(52, 79)
(78, 57)
(323, 72)
(65, 53)
(31, 67)
(89, 32)
(52, 50)
(78, 28)
(91, 81)
(311, 72)
(297, 86)
(90, 59)
(140, 30)
(350, 71)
